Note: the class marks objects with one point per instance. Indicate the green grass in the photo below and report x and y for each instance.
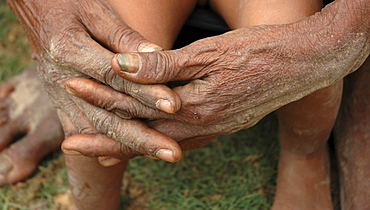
(237, 171)
(15, 53)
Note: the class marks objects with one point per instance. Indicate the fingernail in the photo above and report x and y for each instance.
(71, 152)
(165, 105)
(166, 155)
(70, 91)
(128, 62)
(149, 47)
(110, 162)
(151, 157)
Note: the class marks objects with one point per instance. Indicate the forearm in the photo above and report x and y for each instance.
(337, 39)
(350, 31)
(358, 12)
(31, 15)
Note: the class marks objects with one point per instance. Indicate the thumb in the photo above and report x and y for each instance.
(158, 67)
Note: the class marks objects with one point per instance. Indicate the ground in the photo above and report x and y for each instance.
(237, 171)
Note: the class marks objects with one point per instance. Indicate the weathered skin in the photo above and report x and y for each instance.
(212, 76)
(65, 37)
(26, 112)
(244, 67)
(206, 111)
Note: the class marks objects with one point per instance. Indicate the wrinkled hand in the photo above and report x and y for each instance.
(69, 40)
(239, 77)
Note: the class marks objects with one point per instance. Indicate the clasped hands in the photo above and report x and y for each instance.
(213, 102)
(233, 82)
(234, 79)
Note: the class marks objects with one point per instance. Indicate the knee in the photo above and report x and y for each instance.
(302, 141)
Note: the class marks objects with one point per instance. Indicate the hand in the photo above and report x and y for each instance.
(68, 39)
(241, 76)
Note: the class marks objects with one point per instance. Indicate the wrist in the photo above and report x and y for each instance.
(340, 32)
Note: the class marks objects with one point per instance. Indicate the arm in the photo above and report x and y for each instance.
(239, 77)
(76, 39)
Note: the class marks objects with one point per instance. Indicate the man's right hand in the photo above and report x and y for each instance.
(76, 39)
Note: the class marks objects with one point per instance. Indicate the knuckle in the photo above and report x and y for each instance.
(162, 71)
(130, 88)
(130, 109)
(104, 98)
(61, 46)
(56, 47)
(113, 80)
(155, 68)
(88, 130)
(122, 113)
(123, 35)
(107, 105)
(56, 52)
(102, 121)
(127, 151)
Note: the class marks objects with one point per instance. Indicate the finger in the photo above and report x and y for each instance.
(102, 145)
(147, 68)
(196, 142)
(105, 97)
(95, 145)
(188, 136)
(112, 100)
(68, 127)
(119, 37)
(93, 60)
(109, 161)
(177, 130)
(72, 118)
(96, 63)
(134, 134)
(162, 66)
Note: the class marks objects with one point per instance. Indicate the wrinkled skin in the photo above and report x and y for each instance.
(25, 113)
(236, 78)
(195, 115)
(69, 40)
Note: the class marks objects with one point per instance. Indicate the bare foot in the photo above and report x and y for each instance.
(303, 181)
(29, 126)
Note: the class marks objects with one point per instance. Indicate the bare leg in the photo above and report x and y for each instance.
(25, 113)
(305, 125)
(303, 172)
(352, 138)
(159, 21)
(96, 187)
(92, 185)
